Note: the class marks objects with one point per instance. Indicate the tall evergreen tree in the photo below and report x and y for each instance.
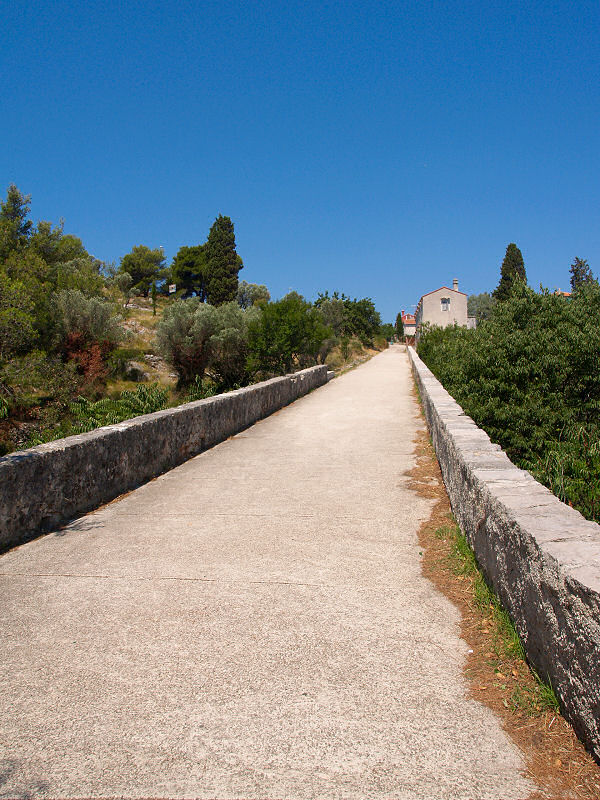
(222, 262)
(399, 325)
(15, 228)
(580, 274)
(512, 271)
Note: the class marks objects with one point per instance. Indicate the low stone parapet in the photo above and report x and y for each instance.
(44, 486)
(541, 556)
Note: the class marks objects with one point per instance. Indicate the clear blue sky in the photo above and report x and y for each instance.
(374, 147)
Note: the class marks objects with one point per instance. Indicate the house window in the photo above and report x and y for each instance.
(445, 304)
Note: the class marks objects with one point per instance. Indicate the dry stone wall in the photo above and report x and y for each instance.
(46, 485)
(541, 556)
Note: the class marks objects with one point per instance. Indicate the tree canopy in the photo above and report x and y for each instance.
(511, 272)
(581, 274)
(188, 271)
(250, 294)
(15, 228)
(222, 262)
(144, 265)
(350, 317)
(480, 306)
(287, 333)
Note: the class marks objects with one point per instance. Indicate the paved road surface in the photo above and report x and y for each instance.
(253, 624)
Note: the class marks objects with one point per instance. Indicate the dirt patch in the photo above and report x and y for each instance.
(556, 760)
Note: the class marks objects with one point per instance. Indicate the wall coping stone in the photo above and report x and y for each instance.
(540, 555)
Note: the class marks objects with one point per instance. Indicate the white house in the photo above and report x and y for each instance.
(443, 307)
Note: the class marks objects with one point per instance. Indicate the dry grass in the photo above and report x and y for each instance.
(497, 675)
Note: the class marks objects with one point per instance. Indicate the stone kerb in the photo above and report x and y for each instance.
(541, 556)
(46, 485)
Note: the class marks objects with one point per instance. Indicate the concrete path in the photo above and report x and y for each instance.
(253, 624)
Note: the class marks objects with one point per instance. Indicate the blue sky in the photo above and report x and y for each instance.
(378, 148)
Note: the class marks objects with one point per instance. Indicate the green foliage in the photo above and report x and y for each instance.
(512, 273)
(251, 294)
(144, 265)
(363, 319)
(54, 246)
(195, 338)
(145, 399)
(287, 334)
(15, 228)
(92, 319)
(17, 323)
(581, 274)
(199, 390)
(229, 363)
(86, 415)
(188, 271)
(186, 337)
(81, 273)
(123, 282)
(387, 330)
(348, 317)
(36, 265)
(222, 262)
(480, 306)
(333, 313)
(37, 377)
(529, 376)
(399, 326)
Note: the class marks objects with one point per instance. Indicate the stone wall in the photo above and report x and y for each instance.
(46, 485)
(541, 556)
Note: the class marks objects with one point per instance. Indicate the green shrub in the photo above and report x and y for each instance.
(90, 318)
(529, 376)
(287, 334)
(145, 399)
(229, 363)
(186, 337)
(199, 390)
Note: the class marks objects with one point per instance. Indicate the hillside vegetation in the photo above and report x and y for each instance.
(530, 376)
(84, 343)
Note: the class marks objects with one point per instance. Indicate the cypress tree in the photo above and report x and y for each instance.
(222, 262)
(399, 326)
(512, 271)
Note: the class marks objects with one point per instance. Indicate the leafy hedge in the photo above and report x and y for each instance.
(530, 376)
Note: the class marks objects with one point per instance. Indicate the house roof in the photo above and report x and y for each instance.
(443, 287)
(408, 318)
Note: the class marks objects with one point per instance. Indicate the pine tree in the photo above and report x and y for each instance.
(144, 265)
(15, 228)
(222, 263)
(512, 272)
(188, 271)
(580, 274)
